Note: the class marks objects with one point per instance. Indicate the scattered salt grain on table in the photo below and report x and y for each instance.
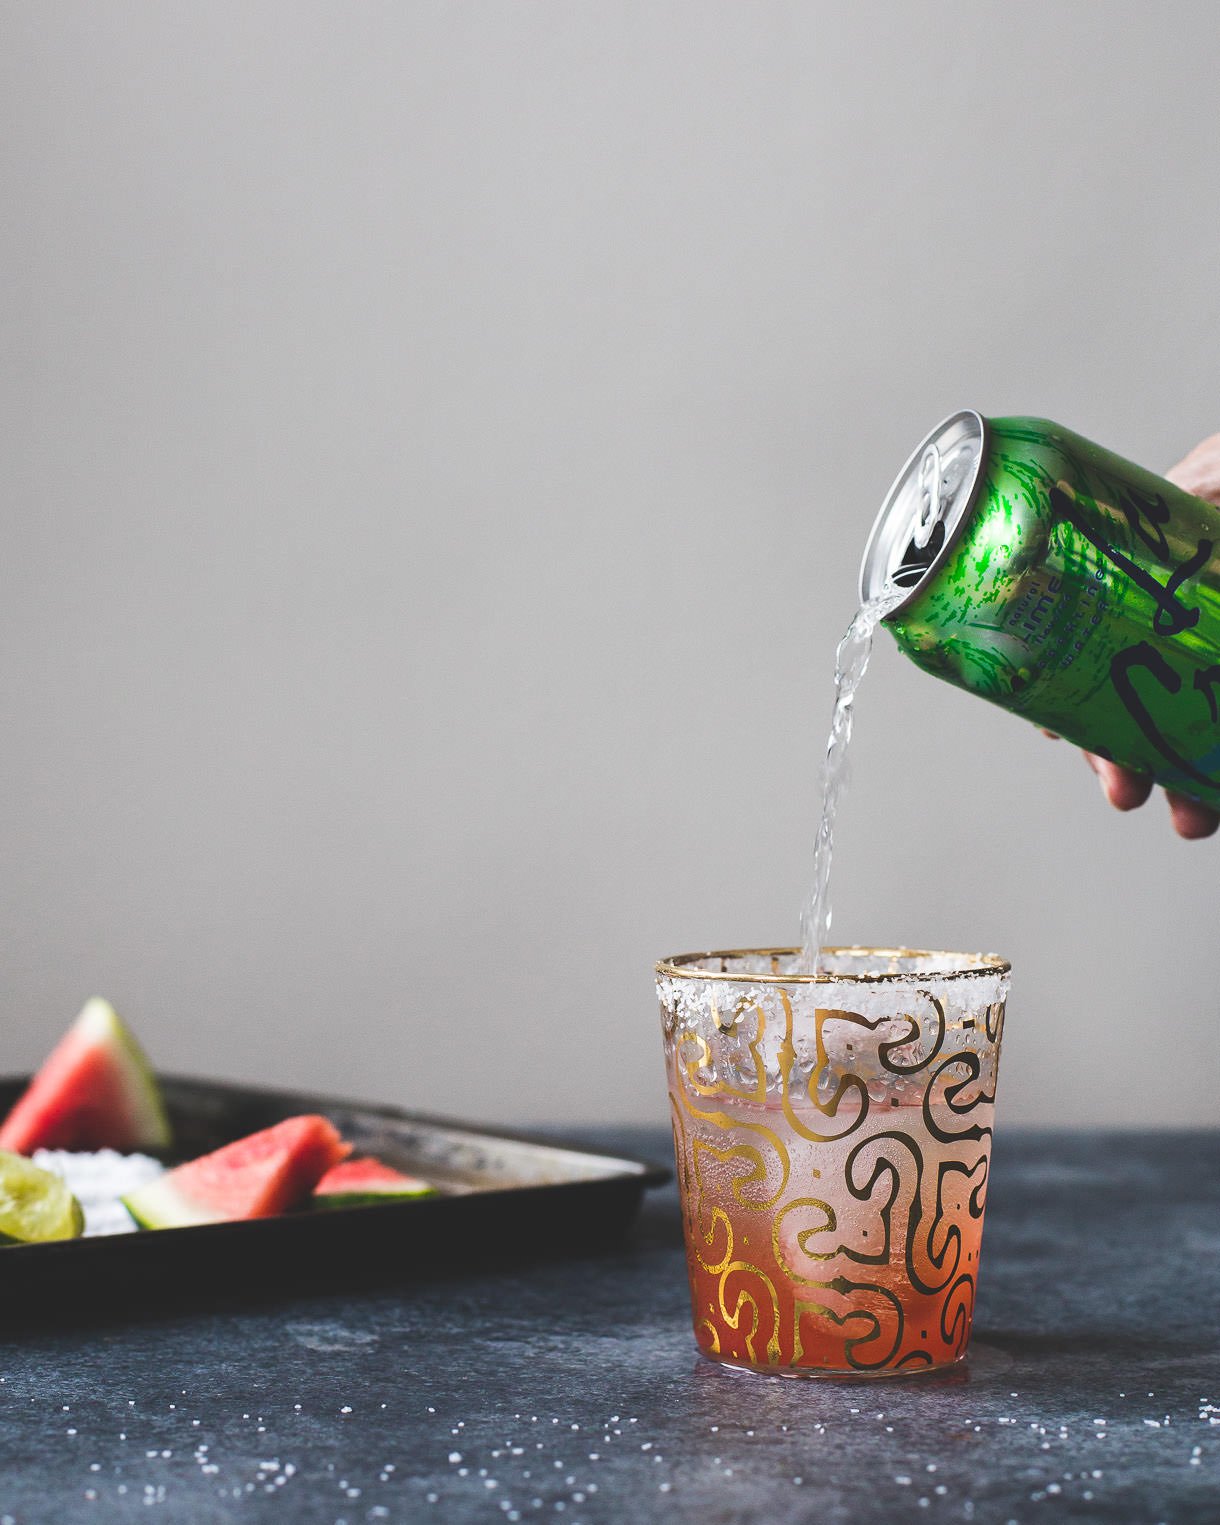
(97, 1181)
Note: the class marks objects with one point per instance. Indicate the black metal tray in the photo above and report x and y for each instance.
(502, 1198)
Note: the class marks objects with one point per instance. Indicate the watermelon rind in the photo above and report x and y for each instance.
(148, 1106)
(326, 1200)
(160, 1204)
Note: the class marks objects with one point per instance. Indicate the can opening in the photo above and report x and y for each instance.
(916, 559)
(924, 509)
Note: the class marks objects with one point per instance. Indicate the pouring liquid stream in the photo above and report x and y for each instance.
(851, 663)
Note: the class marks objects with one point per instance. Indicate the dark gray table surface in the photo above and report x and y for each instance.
(570, 1391)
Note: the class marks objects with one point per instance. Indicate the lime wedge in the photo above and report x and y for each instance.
(35, 1206)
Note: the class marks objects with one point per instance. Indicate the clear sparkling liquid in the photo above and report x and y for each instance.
(851, 663)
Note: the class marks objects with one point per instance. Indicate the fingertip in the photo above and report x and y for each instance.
(1125, 789)
(1192, 820)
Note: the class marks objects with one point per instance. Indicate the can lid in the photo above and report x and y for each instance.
(924, 510)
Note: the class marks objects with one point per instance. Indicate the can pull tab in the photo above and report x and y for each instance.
(929, 497)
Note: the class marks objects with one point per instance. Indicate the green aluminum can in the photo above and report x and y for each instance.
(1064, 583)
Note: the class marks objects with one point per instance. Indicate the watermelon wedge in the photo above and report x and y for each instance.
(95, 1090)
(363, 1181)
(256, 1177)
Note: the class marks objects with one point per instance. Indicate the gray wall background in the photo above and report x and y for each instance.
(438, 441)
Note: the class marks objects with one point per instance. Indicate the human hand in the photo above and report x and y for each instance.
(1125, 789)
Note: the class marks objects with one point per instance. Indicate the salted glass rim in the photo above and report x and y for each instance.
(959, 966)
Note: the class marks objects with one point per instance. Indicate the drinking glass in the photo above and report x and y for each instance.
(833, 1138)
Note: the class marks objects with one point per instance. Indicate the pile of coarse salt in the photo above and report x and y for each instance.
(97, 1180)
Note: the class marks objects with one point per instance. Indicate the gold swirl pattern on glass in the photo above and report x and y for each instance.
(833, 1138)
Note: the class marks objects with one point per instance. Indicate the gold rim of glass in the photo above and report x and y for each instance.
(980, 964)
